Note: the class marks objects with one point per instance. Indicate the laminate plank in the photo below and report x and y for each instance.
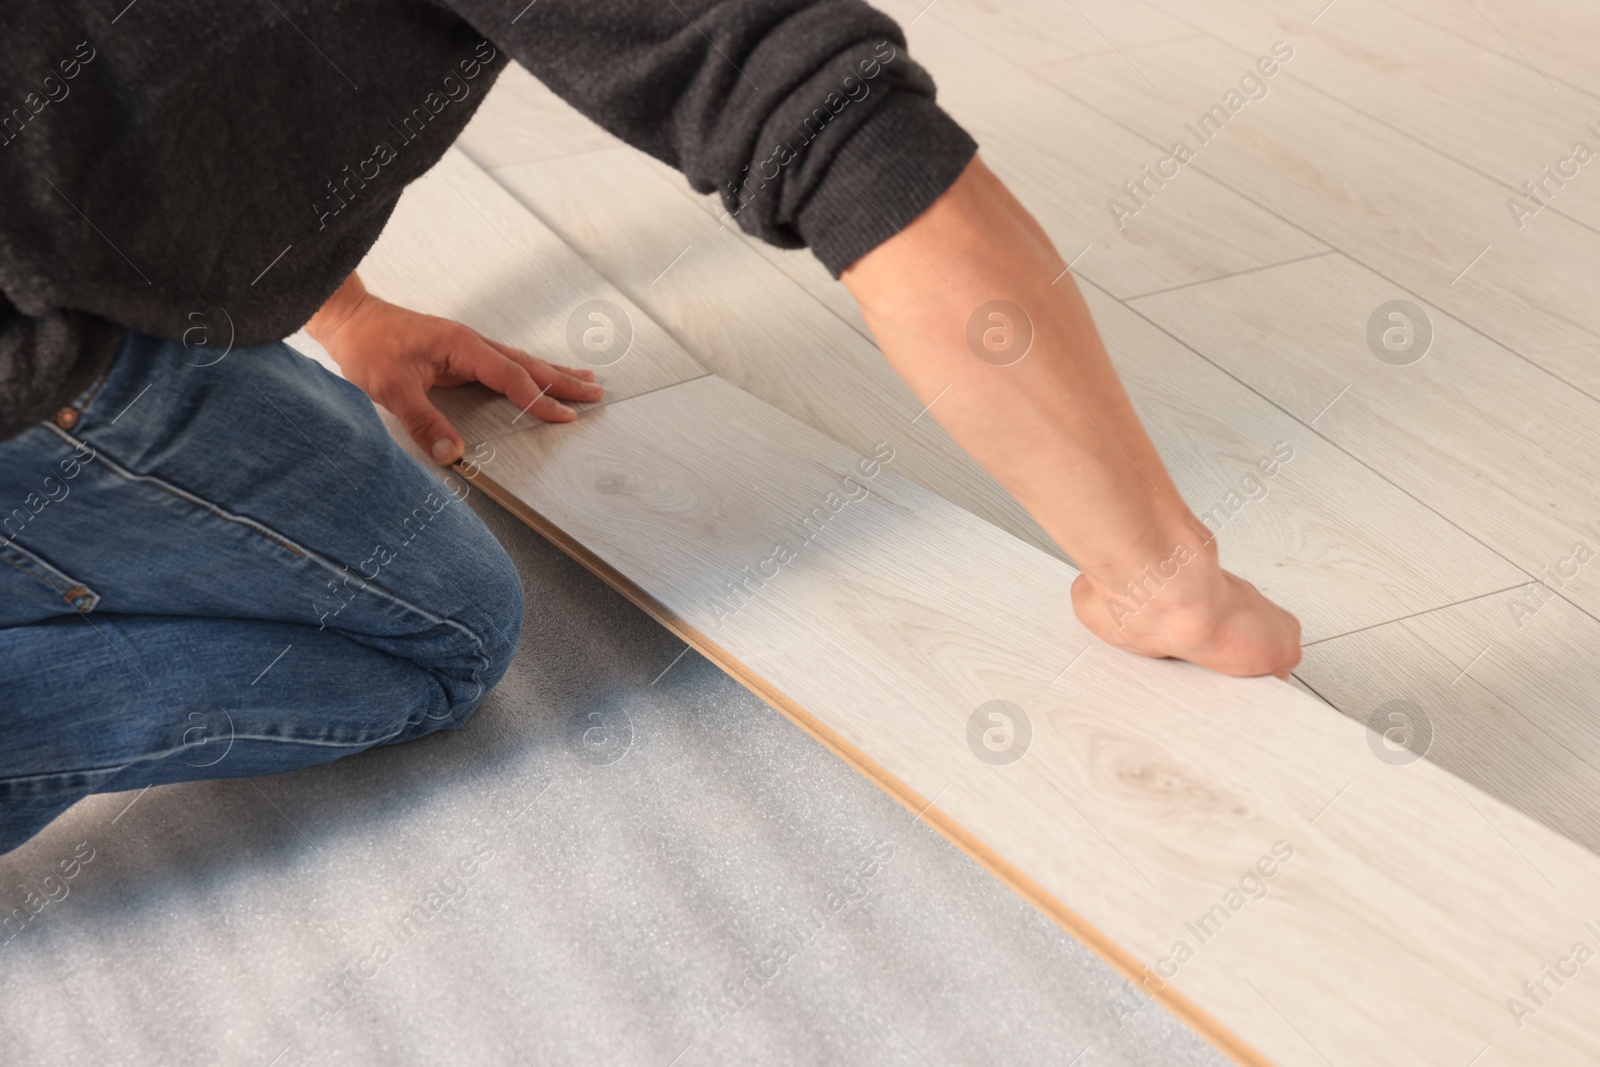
(1553, 38)
(1336, 544)
(1500, 690)
(1033, 136)
(522, 121)
(460, 247)
(1420, 219)
(1032, 33)
(1490, 111)
(1062, 160)
(746, 321)
(1482, 437)
(1323, 535)
(1412, 905)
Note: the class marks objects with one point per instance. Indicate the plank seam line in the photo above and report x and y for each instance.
(1225, 277)
(1413, 615)
(587, 412)
(1322, 437)
(1210, 177)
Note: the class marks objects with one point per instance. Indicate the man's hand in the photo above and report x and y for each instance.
(396, 356)
(1205, 615)
(1054, 426)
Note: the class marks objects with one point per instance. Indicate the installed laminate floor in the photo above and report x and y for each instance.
(1378, 166)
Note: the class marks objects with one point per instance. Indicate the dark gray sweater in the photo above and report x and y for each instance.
(183, 165)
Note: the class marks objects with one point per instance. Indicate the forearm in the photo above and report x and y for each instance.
(1055, 428)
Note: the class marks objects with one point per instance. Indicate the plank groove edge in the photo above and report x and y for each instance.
(1119, 958)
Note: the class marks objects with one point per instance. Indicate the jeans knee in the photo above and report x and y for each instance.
(487, 632)
(502, 604)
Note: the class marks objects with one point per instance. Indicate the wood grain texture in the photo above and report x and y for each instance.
(460, 247)
(1338, 546)
(1412, 907)
(1482, 437)
(1417, 217)
(1063, 160)
(1488, 441)
(522, 122)
(1323, 535)
(1491, 112)
(1033, 33)
(747, 321)
(1552, 38)
(1503, 686)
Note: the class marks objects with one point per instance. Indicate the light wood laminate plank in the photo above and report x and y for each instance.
(1029, 33)
(1490, 111)
(1412, 907)
(1494, 444)
(746, 321)
(1501, 690)
(459, 246)
(1552, 38)
(1415, 216)
(1062, 160)
(522, 122)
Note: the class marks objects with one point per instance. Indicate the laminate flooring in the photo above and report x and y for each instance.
(890, 624)
(1437, 539)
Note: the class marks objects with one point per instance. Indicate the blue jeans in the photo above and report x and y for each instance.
(227, 570)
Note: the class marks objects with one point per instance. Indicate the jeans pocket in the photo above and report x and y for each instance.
(39, 575)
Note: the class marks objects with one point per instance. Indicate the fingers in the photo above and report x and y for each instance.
(428, 427)
(486, 363)
(564, 383)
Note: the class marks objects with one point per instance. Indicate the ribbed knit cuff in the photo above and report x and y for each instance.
(885, 175)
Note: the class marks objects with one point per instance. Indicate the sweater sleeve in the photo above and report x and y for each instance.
(806, 116)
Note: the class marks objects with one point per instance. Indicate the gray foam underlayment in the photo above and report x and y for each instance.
(648, 835)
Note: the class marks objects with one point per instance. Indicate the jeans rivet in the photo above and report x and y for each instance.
(67, 418)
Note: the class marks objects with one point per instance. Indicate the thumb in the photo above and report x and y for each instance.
(429, 428)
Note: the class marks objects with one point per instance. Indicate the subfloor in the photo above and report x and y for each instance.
(580, 876)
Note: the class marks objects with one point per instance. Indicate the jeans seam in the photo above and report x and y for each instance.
(75, 591)
(118, 768)
(127, 473)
